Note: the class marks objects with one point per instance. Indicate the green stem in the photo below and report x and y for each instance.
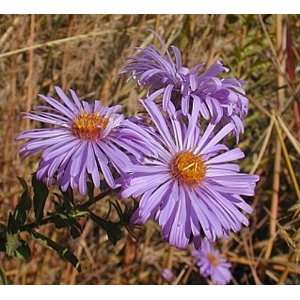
(82, 208)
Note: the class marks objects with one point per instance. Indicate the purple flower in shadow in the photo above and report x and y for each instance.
(211, 263)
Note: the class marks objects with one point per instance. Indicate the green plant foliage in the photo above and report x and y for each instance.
(40, 195)
(66, 215)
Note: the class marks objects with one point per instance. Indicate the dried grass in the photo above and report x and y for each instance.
(86, 52)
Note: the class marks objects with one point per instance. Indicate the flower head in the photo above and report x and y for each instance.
(211, 263)
(83, 139)
(190, 186)
(220, 99)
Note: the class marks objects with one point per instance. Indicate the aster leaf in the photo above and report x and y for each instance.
(3, 279)
(63, 252)
(20, 214)
(23, 252)
(2, 237)
(112, 230)
(75, 230)
(40, 196)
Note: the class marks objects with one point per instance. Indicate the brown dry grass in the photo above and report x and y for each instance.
(86, 53)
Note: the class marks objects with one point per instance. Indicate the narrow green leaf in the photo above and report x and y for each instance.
(3, 279)
(40, 195)
(23, 251)
(90, 188)
(2, 238)
(22, 208)
(68, 199)
(23, 183)
(63, 252)
(11, 227)
(20, 214)
(113, 230)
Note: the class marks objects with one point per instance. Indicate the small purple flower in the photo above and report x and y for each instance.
(84, 139)
(211, 263)
(220, 100)
(190, 186)
(167, 274)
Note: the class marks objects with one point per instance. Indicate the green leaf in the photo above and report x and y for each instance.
(20, 214)
(40, 195)
(22, 208)
(23, 183)
(90, 188)
(23, 251)
(63, 252)
(113, 230)
(12, 244)
(11, 227)
(2, 238)
(75, 231)
(68, 199)
(3, 279)
(2, 231)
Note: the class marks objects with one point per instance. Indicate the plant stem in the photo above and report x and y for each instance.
(82, 208)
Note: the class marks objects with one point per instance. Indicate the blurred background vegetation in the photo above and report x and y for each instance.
(86, 52)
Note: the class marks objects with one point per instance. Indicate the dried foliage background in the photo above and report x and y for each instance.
(86, 53)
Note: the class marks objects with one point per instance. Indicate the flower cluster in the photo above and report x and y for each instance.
(181, 172)
(220, 100)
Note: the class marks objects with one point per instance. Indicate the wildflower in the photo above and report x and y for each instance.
(220, 99)
(190, 187)
(167, 274)
(84, 140)
(211, 263)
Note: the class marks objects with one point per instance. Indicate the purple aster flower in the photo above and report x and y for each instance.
(168, 80)
(85, 139)
(190, 186)
(211, 263)
(167, 274)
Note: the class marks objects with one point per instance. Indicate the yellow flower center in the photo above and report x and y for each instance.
(89, 126)
(214, 261)
(188, 168)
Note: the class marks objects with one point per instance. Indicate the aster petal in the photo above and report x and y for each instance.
(228, 156)
(42, 133)
(208, 131)
(149, 204)
(180, 230)
(189, 141)
(177, 132)
(185, 104)
(59, 107)
(37, 117)
(218, 137)
(141, 184)
(229, 216)
(178, 59)
(167, 96)
(167, 207)
(66, 100)
(59, 147)
(76, 100)
(159, 122)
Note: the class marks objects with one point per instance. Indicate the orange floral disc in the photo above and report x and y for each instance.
(214, 260)
(188, 168)
(89, 126)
